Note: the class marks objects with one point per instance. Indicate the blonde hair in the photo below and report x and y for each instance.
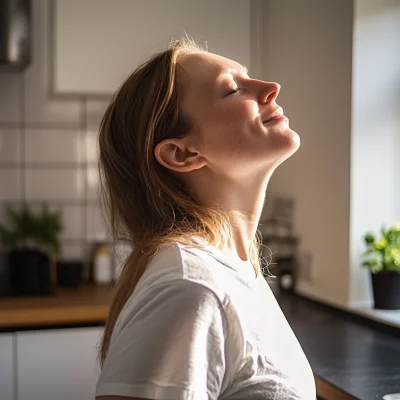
(144, 202)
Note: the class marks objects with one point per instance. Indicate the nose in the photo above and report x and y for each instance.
(268, 91)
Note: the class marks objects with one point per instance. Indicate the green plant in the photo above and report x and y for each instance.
(383, 254)
(32, 229)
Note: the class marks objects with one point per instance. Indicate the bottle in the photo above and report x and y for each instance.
(102, 265)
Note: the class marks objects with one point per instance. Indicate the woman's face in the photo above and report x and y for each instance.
(228, 110)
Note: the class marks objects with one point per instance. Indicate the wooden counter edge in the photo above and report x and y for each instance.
(329, 392)
(53, 316)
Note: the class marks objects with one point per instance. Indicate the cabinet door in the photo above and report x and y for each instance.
(96, 46)
(6, 367)
(59, 364)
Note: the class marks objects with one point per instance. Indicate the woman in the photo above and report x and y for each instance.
(187, 147)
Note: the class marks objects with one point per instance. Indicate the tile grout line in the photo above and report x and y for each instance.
(48, 125)
(44, 165)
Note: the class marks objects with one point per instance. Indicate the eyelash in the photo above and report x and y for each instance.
(234, 91)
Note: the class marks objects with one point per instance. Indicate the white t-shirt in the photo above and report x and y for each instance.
(201, 325)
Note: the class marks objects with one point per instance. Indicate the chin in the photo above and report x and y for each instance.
(294, 140)
(285, 145)
(286, 140)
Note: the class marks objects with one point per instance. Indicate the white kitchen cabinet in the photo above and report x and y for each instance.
(57, 364)
(6, 367)
(97, 43)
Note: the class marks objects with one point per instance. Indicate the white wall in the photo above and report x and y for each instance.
(95, 51)
(375, 157)
(308, 49)
(340, 73)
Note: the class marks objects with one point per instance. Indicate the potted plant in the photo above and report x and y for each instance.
(382, 257)
(32, 241)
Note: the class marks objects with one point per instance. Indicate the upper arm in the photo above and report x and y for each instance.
(172, 346)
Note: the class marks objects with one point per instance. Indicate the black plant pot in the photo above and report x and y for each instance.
(4, 275)
(386, 289)
(69, 273)
(31, 272)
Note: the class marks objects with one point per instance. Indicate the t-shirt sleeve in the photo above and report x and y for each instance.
(171, 345)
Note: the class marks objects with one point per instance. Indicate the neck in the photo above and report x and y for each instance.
(244, 202)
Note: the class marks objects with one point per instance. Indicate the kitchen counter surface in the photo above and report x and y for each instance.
(87, 304)
(351, 358)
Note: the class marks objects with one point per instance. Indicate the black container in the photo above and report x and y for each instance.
(386, 289)
(69, 273)
(4, 275)
(31, 272)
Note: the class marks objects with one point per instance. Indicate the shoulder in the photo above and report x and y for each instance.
(184, 286)
(173, 304)
(179, 280)
(177, 262)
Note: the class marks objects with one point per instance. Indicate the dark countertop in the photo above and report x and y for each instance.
(352, 357)
(360, 358)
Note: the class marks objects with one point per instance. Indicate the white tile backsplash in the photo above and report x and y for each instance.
(94, 113)
(72, 251)
(54, 184)
(40, 105)
(95, 224)
(10, 145)
(10, 97)
(52, 145)
(71, 218)
(38, 127)
(10, 184)
(92, 183)
(91, 146)
(95, 110)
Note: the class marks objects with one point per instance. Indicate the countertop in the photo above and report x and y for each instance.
(351, 358)
(87, 304)
(360, 359)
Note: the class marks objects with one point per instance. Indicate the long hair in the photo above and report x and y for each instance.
(144, 202)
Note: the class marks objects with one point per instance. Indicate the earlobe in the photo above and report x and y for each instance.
(174, 155)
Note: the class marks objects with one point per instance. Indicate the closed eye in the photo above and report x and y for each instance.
(234, 91)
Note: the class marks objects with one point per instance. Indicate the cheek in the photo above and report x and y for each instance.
(245, 109)
(242, 118)
(234, 117)
(228, 127)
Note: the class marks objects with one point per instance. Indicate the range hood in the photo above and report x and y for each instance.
(15, 35)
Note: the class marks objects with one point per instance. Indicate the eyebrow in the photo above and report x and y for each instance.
(243, 69)
(229, 71)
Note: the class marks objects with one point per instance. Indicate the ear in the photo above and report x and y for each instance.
(177, 155)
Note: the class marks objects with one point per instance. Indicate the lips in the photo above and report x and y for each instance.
(276, 114)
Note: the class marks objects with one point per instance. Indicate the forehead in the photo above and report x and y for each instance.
(201, 70)
(207, 62)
